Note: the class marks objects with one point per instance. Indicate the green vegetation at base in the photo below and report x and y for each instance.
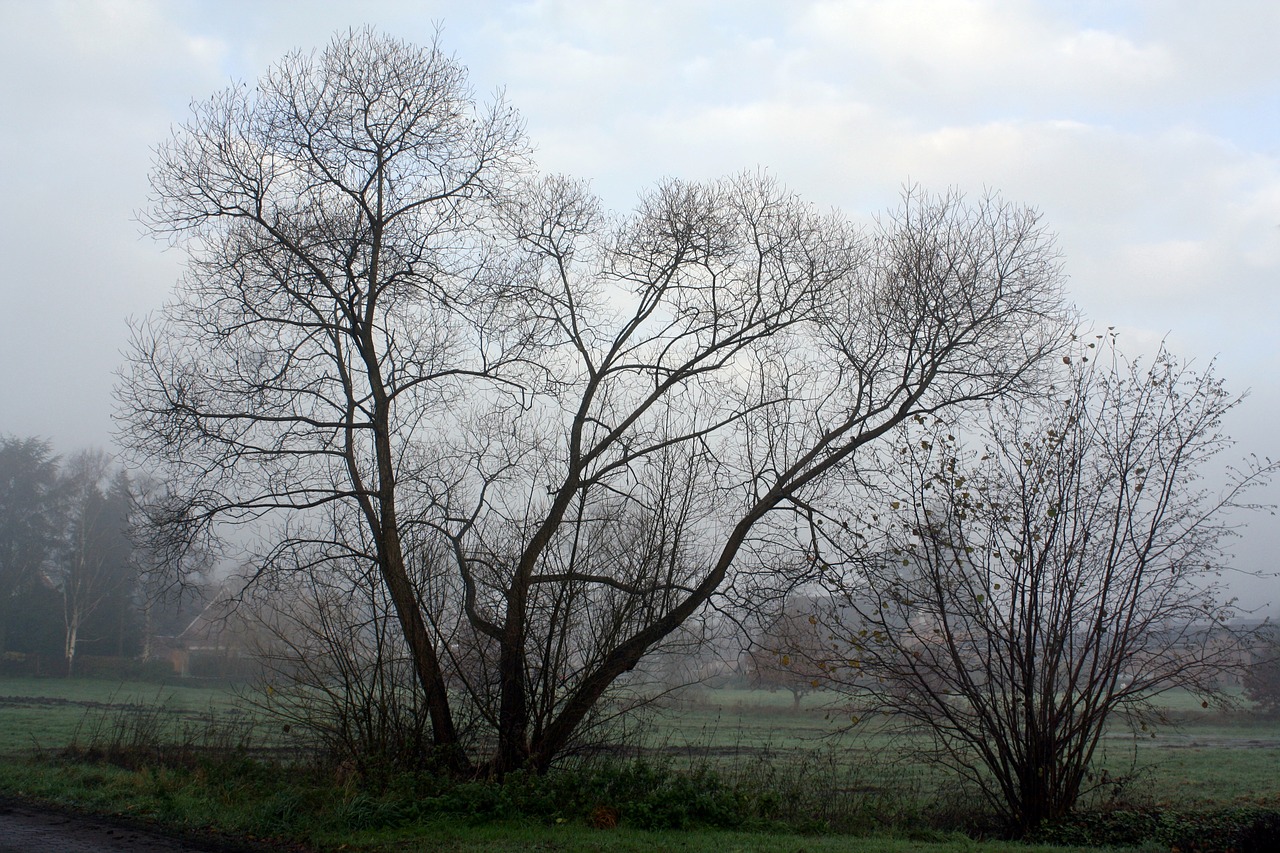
(1230, 830)
(253, 800)
(724, 773)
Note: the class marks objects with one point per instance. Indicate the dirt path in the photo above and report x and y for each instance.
(26, 828)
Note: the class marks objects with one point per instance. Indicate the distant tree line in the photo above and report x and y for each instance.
(70, 576)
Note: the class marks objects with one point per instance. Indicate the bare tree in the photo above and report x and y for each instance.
(791, 650)
(758, 346)
(1261, 680)
(1015, 600)
(95, 560)
(339, 296)
(336, 665)
(557, 436)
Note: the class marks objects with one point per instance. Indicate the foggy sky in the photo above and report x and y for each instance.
(1147, 132)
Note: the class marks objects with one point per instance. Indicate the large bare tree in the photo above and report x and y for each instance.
(1016, 588)
(750, 348)
(557, 435)
(339, 295)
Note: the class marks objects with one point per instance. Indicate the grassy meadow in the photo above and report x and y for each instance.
(50, 713)
(1202, 758)
(722, 769)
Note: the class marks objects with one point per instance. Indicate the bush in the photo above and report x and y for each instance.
(1234, 830)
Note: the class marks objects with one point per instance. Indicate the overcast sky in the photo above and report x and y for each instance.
(1148, 133)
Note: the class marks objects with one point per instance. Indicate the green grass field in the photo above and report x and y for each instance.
(48, 713)
(821, 771)
(1209, 757)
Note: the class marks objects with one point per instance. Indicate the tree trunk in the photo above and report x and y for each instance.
(513, 711)
(70, 649)
(426, 662)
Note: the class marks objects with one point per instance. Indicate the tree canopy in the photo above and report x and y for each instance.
(552, 435)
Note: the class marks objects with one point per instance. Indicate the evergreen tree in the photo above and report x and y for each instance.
(29, 529)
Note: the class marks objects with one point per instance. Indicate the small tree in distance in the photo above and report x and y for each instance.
(1262, 675)
(789, 652)
(1014, 599)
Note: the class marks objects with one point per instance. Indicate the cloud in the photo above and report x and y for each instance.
(997, 58)
(1148, 134)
